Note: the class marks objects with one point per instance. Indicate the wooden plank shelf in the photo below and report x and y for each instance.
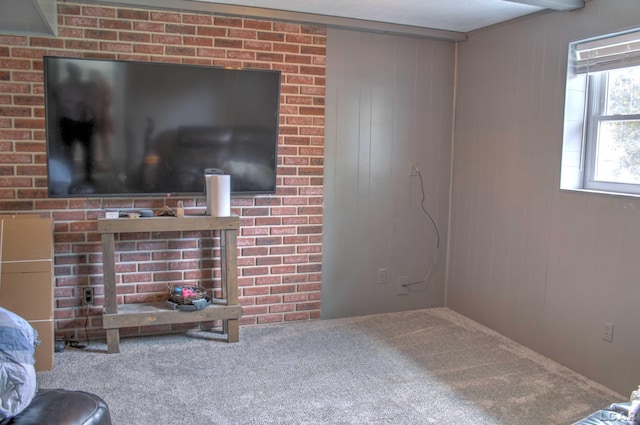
(130, 315)
(164, 224)
(226, 308)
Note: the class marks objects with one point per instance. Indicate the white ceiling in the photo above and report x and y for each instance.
(411, 16)
(450, 15)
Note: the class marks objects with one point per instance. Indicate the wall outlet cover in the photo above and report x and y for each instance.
(403, 289)
(607, 331)
(382, 276)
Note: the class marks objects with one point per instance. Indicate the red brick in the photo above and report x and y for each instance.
(298, 39)
(148, 48)
(7, 194)
(116, 47)
(197, 41)
(298, 316)
(313, 29)
(68, 32)
(308, 306)
(281, 308)
(148, 26)
(211, 31)
(229, 44)
(212, 53)
(101, 34)
(271, 318)
(134, 37)
(258, 45)
(244, 34)
(28, 101)
(287, 68)
(312, 111)
(270, 36)
(180, 29)
(241, 54)
(166, 39)
(197, 19)
(286, 48)
(81, 45)
(76, 21)
(29, 53)
(283, 269)
(15, 64)
(286, 27)
(227, 22)
(104, 12)
(14, 88)
(255, 291)
(166, 17)
(138, 15)
(254, 310)
(314, 50)
(180, 51)
(14, 40)
(269, 57)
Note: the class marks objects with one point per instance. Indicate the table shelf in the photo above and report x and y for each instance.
(226, 308)
(147, 314)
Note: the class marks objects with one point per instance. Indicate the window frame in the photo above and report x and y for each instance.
(597, 94)
(589, 62)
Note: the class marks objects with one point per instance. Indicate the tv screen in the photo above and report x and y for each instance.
(123, 128)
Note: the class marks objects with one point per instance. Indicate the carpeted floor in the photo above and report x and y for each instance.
(429, 366)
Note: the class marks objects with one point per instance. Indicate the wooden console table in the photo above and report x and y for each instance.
(226, 308)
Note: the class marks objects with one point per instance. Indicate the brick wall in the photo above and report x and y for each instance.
(279, 244)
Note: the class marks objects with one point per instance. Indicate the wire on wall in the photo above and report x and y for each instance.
(432, 267)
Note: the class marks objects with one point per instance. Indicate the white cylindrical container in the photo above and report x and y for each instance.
(218, 188)
(180, 209)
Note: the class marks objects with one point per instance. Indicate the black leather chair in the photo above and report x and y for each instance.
(64, 407)
(616, 414)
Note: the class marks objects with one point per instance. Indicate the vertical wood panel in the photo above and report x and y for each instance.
(341, 184)
(381, 80)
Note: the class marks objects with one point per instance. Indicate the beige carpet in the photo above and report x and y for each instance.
(428, 366)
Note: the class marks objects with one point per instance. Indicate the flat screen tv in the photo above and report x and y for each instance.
(126, 128)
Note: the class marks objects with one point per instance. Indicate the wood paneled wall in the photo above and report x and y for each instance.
(389, 107)
(543, 266)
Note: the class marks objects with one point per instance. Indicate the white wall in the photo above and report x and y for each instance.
(544, 267)
(389, 106)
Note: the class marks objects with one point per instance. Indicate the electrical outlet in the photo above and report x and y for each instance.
(403, 289)
(382, 276)
(87, 296)
(607, 331)
(414, 170)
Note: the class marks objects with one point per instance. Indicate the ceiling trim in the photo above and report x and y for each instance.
(49, 14)
(29, 17)
(553, 4)
(288, 16)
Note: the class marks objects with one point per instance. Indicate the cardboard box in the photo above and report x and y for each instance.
(26, 277)
(28, 293)
(44, 351)
(26, 238)
(26, 266)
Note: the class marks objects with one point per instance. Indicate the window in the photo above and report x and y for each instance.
(601, 147)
